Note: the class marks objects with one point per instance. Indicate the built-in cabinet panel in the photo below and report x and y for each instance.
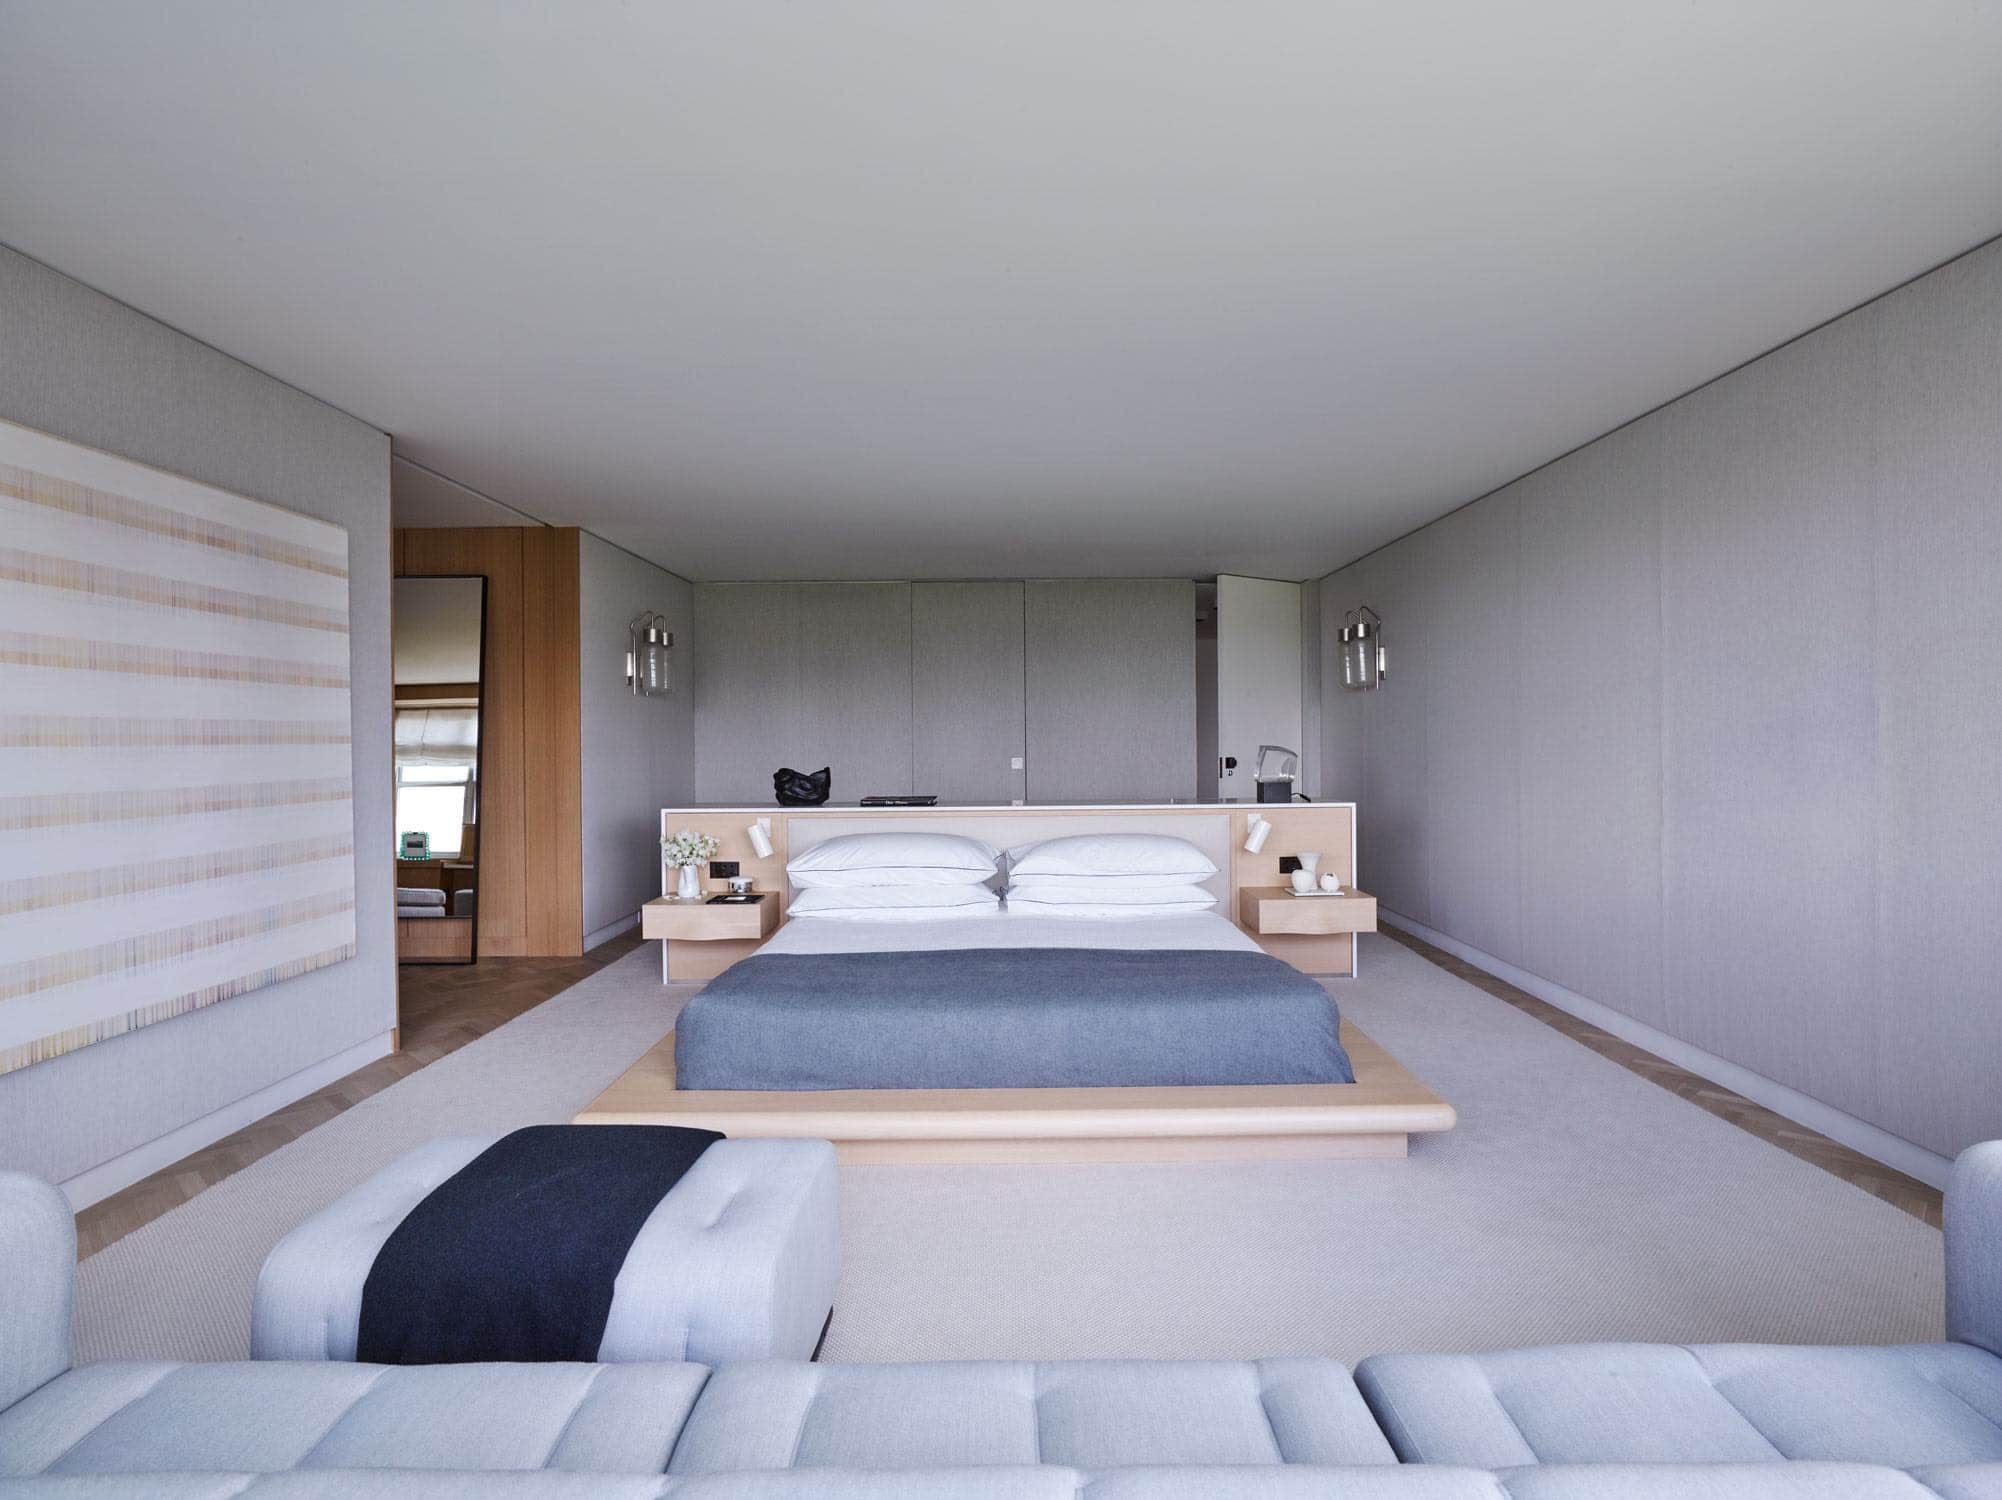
(968, 720)
(936, 687)
(1110, 666)
(746, 682)
(854, 704)
(803, 675)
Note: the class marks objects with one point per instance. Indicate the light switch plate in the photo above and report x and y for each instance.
(1014, 762)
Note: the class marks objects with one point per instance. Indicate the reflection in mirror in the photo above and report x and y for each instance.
(438, 634)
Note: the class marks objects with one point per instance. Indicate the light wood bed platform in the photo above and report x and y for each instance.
(1373, 1117)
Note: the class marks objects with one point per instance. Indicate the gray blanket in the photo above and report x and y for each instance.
(993, 1018)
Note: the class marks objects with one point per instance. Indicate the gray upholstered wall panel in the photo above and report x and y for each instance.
(803, 675)
(1934, 641)
(854, 705)
(1111, 674)
(638, 753)
(1590, 722)
(1469, 612)
(1768, 740)
(87, 368)
(1760, 801)
(968, 718)
(746, 688)
(1392, 734)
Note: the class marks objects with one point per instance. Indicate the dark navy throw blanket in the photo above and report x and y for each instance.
(514, 1256)
(997, 1018)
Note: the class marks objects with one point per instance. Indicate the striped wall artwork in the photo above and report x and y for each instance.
(176, 782)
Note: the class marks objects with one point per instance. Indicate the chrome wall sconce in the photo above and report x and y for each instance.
(649, 665)
(1365, 664)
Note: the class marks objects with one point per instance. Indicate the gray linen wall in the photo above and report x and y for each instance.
(87, 368)
(638, 753)
(1700, 721)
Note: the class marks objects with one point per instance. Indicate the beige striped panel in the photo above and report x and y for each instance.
(101, 581)
(68, 887)
(143, 950)
(87, 732)
(142, 516)
(27, 649)
(70, 1039)
(170, 810)
(70, 809)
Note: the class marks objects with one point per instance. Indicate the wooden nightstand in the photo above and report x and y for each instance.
(1315, 934)
(704, 940)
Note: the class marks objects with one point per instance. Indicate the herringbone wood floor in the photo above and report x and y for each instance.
(443, 1008)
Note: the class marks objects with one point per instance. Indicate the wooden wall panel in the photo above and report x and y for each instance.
(552, 756)
(530, 852)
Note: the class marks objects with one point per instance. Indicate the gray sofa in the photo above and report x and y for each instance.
(1600, 1422)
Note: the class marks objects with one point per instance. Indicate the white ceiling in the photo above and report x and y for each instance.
(901, 288)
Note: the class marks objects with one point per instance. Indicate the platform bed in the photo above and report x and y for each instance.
(1373, 1117)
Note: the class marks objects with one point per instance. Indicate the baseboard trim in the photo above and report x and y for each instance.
(1858, 1135)
(606, 934)
(106, 1178)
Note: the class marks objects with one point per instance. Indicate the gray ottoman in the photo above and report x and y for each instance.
(738, 1262)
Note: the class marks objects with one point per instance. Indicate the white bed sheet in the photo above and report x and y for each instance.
(1184, 930)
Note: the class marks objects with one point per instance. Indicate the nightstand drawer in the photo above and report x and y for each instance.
(695, 921)
(1274, 909)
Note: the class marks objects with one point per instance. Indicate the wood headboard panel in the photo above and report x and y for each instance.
(1219, 831)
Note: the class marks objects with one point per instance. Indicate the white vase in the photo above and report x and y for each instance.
(688, 885)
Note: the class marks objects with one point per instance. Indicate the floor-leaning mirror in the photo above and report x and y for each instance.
(440, 628)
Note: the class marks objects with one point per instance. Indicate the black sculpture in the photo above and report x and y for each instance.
(800, 788)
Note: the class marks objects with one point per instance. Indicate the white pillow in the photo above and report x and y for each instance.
(1110, 893)
(894, 859)
(1112, 854)
(896, 903)
(1088, 883)
(1105, 913)
(894, 875)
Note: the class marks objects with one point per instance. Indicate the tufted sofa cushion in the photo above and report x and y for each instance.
(1085, 1414)
(37, 1290)
(739, 1261)
(1771, 1481)
(1903, 1405)
(251, 1417)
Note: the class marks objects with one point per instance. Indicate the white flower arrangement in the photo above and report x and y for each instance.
(687, 848)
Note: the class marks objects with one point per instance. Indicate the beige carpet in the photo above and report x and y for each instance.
(1575, 1201)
